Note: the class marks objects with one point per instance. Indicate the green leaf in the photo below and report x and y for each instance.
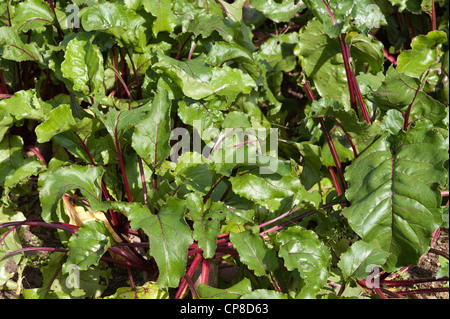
(83, 64)
(22, 105)
(112, 18)
(169, 237)
(365, 50)
(197, 80)
(394, 194)
(254, 253)
(268, 190)
(265, 294)
(222, 52)
(359, 261)
(392, 122)
(408, 5)
(71, 283)
(207, 220)
(322, 61)
(301, 249)
(398, 91)
(88, 245)
(361, 133)
(57, 181)
(14, 49)
(59, 120)
(443, 271)
(31, 15)
(193, 172)
(199, 113)
(426, 51)
(364, 14)
(152, 134)
(147, 291)
(236, 291)
(277, 52)
(165, 18)
(278, 11)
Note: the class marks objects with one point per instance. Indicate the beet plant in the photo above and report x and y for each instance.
(224, 149)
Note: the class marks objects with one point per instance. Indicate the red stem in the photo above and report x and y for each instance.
(189, 274)
(433, 16)
(205, 270)
(329, 140)
(36, 152)
(3, 87)
(122, 166)
(123, 83)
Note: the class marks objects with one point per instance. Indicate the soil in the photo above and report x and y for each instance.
(428, 266)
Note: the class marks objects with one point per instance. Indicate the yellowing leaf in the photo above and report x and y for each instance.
(79, 216)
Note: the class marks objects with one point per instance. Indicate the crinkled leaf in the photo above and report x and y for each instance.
(360, 132)
(12, 47)
(359, 261)
(22, 105)
(83, 64)
(321, 59)
(277, 52)
(425, 52)
(118, 122)
(55, 182)
(32, 14)
(392, 122)
(254, 253)
(428, 54)
(364, 14)
(14, 168)
(222, 52)
(365, 50)
(268, 190)
(114, 19)
(278, 11)
(165, 18)
(152, 134)
(398, 91)
(199, 114)
(72, 283)
(169, 237)
(265, 294)
(198, 80)
(207, 218)
(59, 120)
(147, 291)
(88, 245)
(234, 292)
(301, 249)
(394, 194)
(193, 172)
(407, 5)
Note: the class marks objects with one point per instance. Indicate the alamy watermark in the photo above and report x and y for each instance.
(373, 279)
(73, 17)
